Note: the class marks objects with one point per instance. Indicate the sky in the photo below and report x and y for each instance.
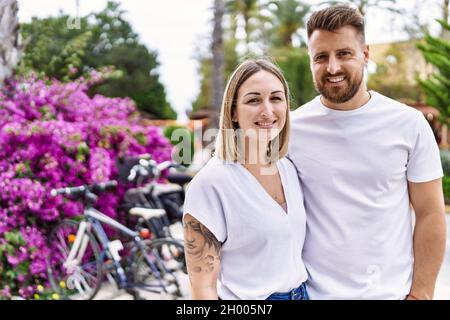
(172, 28)
(178, 29)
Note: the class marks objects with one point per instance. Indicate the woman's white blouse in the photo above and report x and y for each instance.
(262, 244)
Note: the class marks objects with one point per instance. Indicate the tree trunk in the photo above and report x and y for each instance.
(218, 58)
(362, 9)
(247, 29)
(445, 33)
(10, 47)
(445, 10)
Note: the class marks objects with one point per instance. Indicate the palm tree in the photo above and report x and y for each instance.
(245, 8)
(364, 5)
(10, 46)
(445, 33)
(288, 19)
(217, 57)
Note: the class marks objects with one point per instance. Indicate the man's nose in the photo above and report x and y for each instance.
(334, 65)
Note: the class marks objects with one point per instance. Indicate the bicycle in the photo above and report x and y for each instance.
(144, 173)
(83, 253)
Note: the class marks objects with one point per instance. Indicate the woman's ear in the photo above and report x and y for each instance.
(234, 116)
(234, 120)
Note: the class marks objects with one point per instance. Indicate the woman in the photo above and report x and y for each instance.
(244, 220)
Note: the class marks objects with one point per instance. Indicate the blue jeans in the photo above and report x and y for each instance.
(299, 293)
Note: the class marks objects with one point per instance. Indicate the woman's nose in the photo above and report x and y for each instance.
(267, 108)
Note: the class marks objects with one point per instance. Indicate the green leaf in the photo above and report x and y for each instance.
(82, 151)
(436, 51)
(11, 274)
(140, 138)
(22, 268)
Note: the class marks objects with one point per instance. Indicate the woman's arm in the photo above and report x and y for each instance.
(202, 258)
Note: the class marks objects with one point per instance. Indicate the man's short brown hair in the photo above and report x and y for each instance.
(334, 18)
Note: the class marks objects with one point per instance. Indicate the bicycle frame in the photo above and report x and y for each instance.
(92, 224)
(145, 266)
(79, 247)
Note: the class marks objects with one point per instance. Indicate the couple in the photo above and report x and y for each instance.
(324, 211)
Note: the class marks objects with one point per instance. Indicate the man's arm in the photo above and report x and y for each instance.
(429, 236)
(203, 259)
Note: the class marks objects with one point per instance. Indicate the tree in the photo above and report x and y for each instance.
(55, 50)
(437, 87)
(288, 19)
(394, 77)
(10, 44)
(231, 60)
(226, 60)
(294, 62)
(364, 5)
(445, 33)
(246, 9)
(104, 39)
(217, 56)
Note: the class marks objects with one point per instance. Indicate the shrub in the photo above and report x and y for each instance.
(53, 135)
(445, 159)
(446, 188)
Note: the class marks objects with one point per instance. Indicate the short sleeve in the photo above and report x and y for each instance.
(424, 163)
(204, 203)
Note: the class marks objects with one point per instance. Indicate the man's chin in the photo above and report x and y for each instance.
(336, 97)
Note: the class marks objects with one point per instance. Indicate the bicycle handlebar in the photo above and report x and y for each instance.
(104, 186)
(97, 187)
(147, 167)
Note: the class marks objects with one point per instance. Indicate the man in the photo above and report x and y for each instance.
(363, 159)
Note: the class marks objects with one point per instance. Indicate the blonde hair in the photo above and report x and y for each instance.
(227, 145)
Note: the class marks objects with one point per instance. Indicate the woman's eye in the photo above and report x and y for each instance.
(252, 101)
(277, 98)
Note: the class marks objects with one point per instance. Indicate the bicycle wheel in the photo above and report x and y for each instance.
(77, 282)
(162, 267)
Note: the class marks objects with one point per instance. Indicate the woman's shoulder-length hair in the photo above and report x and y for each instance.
(227, 143)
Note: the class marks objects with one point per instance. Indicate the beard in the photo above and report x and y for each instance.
(339, 94)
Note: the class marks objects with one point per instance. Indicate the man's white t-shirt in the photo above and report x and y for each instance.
(355, 166)
(262, 249)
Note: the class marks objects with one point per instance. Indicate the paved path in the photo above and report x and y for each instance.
(442, 287)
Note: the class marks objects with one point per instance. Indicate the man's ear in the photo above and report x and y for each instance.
(366, 53)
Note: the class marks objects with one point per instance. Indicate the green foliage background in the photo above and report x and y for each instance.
(65, 50)
(436, 51)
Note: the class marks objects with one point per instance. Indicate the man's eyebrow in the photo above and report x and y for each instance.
(338, 50)
(345, 49)
(319, 53)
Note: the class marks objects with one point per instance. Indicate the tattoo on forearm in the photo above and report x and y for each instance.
(198, 238)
